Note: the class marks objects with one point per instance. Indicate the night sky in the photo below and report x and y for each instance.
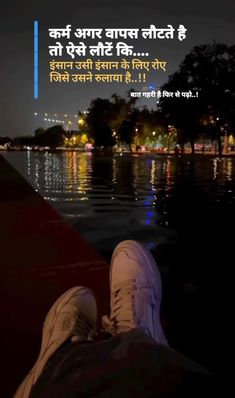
(205, 20)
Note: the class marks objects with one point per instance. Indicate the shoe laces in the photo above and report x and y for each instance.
(123, 308)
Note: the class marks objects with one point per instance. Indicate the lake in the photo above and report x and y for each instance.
(181, 209)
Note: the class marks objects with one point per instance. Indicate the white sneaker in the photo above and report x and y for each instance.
(136, 291)
(73, 316)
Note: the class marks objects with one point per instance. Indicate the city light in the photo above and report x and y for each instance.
(70, 119)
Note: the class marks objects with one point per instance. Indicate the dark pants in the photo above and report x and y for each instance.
(128, 365)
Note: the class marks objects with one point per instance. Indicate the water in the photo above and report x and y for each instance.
(181, 209)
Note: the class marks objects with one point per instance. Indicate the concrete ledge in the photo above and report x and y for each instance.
(40, 257)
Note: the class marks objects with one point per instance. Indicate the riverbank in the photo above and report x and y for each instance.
(122, 153)
(41, 256)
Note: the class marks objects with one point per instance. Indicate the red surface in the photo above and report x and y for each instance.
(40, 257)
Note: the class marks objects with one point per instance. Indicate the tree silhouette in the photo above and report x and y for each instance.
(208, 70)
(108, 116)
(98, 121)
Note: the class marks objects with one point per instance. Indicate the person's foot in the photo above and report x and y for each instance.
(136, 291)
(72, 317)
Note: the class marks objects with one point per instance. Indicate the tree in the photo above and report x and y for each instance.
(150, 126)
(23, 140)
(52, 137)
(5, 140)
(109, 118)
(98, 122)
(208, 70)
(125, 118)
(39, 130)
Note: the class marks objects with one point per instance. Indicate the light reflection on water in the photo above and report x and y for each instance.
(111, 198)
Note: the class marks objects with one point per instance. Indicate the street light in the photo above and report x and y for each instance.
(81, 122)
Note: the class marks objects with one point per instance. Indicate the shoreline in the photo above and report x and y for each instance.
(124, 153)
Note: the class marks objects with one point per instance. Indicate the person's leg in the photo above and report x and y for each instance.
(72, 317)
(136, 291)
(136, 361)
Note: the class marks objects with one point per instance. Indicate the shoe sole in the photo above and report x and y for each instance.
(47, 349)
(156, 281)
